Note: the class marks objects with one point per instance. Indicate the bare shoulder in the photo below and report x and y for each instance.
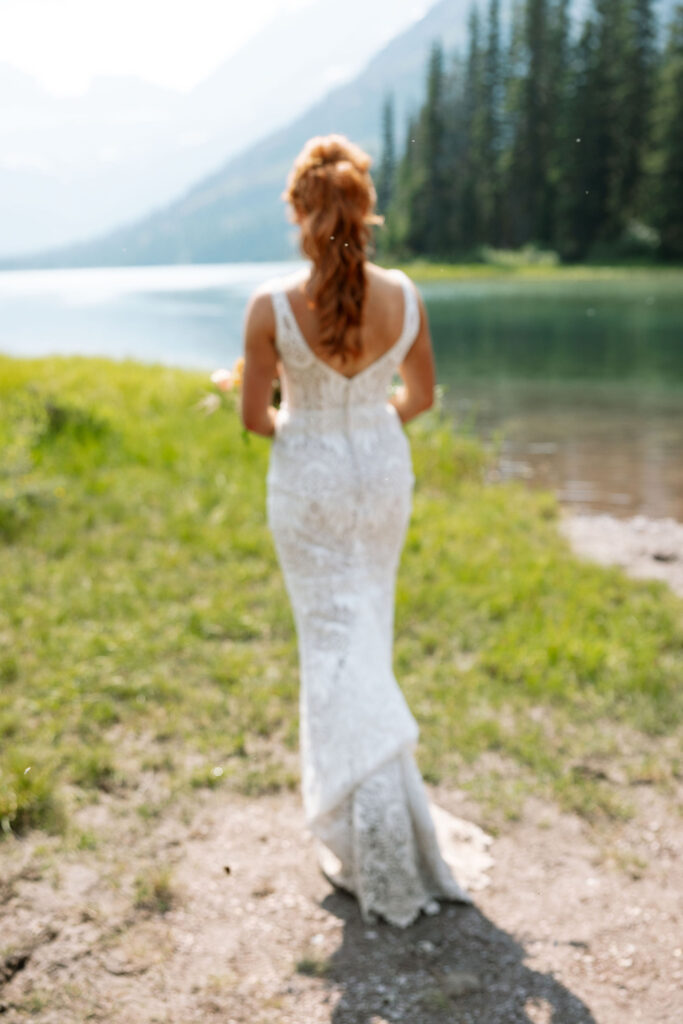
(388, 283)
(383, 279)
(259, 312)
(262, 293)
(295, 281)
(260, 331)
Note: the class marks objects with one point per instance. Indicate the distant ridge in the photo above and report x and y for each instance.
(236, 213)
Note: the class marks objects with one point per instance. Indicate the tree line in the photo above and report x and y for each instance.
(554, 134)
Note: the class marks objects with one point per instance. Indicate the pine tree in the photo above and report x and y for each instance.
(492, 85)
(432, 134)
(561, 141)
(621, 94)
(469, 202)
(514, 69)
(386, 173)
(529, 213)
(667, 158)
(592, 215)
(634, 99)
(578, 208)
(455, 154)
(398, 236)
(550, 140)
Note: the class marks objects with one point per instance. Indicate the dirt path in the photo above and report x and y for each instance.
(575, 926)
(215, 910)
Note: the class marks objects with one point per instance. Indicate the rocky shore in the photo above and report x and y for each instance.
(644, 547)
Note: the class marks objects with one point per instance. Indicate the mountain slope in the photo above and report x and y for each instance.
(75, 164)
(74, 167)
(236, 213)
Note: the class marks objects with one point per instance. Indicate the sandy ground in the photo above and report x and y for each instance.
(572, 923)
(647, 548)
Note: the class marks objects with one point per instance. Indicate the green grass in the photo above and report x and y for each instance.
(155, 891)
(502, 264)
(313, 967)
(144, 625)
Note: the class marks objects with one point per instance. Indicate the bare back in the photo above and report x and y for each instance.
(383, 316)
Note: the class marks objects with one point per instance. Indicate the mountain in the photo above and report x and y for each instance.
(236, 213)
(72, 167)
(74, 164)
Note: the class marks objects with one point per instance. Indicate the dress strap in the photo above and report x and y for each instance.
(286, 334)
(277, 298)
(289, 341)
(411, 318)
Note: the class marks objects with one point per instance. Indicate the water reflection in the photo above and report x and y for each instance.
(601, 447)
(583, 330)
(583, 378)
(584, 381)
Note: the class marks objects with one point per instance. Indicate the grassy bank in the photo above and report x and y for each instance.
(515, 265)
(144, 626)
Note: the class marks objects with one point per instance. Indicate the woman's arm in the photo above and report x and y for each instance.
(260, 366)
(417, 372)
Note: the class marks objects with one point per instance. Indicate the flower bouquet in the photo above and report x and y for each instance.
(228, 383)
(224, 381)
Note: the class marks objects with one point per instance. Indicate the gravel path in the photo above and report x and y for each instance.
(574, 926)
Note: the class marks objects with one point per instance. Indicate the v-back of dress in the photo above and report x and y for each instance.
(340, 483)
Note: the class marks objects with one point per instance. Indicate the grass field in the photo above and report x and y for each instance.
(531, 265)
(144, 625)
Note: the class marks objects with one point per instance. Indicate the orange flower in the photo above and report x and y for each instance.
(229, 380)
(237, 372)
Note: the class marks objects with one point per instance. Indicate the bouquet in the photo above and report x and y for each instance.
(229, 380)
(227, 383)
(224, 381)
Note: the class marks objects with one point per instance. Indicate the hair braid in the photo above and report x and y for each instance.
(333, 199)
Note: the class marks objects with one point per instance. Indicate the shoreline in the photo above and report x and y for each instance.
(645, 547)
(425, 272)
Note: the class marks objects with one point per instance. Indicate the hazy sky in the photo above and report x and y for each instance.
(174, 43)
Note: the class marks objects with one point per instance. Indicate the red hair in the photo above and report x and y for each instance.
(333, 199)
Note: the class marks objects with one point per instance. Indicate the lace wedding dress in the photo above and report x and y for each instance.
(339, 494)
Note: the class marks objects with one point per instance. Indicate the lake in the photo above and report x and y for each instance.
(582, 381)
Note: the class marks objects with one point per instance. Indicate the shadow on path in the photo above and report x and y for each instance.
(391, 974)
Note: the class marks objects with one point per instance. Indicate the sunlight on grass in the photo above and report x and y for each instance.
(144, 623)
(531, 264)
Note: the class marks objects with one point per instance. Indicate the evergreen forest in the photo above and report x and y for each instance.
(548, 132)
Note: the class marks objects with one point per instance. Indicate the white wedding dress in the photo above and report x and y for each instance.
(339, 497)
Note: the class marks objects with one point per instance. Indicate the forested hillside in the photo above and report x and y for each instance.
(560, 134)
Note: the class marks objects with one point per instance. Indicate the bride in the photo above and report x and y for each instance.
(340, 484)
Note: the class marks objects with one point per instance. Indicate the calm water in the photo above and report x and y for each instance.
(582, 380)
